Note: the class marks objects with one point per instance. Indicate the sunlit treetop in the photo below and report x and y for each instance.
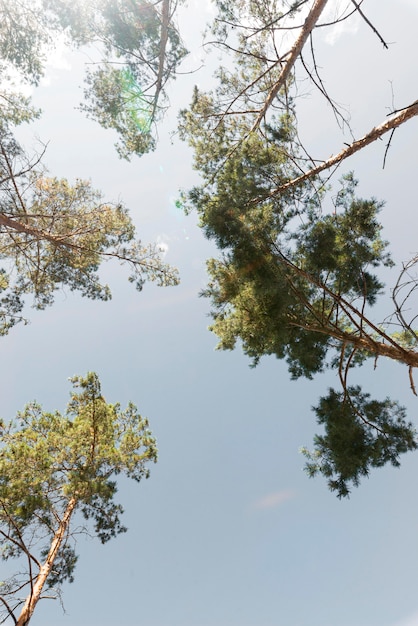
(136, 47)
(58, 476)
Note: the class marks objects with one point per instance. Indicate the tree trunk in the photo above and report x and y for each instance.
(45, 570)
(307, 28)
(165, 18)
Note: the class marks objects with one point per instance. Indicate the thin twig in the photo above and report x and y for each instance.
(374, 29)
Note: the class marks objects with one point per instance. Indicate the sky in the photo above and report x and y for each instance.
(228, 530)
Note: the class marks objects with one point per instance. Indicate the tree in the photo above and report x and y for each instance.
(297, 273)
(142, 51)
(54, 235)
(55, 470)
(256, 34)
(139, 52)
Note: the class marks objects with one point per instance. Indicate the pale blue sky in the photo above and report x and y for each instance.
(228, 530)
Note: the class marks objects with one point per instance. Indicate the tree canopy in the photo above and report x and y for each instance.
(139, 50)
(301, 262)
(58, 468)
(298, 275)
(53, 233)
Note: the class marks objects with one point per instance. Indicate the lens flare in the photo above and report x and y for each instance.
(136, 104)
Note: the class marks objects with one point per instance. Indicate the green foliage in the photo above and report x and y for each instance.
(15, 109)
(133, 38)
(283, 262)
(49, 461)
(337, 249)
(54, 235)
(300, 265)
(24, 38)
(114, 107)
(359, 434)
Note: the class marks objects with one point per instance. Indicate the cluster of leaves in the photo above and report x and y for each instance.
(52, 233)
(26, 32)
(53, 463)
(136, 39)
(115, 105)
(283, 263)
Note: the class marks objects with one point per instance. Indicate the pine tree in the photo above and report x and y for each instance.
(300, 262)
(57, 470)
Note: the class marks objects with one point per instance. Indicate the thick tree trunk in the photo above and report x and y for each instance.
(32, 599)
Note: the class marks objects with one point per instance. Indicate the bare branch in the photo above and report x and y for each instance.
(387, 147)
(9, 609)
(368, 22)
(411, 380)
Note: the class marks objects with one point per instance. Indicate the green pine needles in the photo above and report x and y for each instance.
(359, 434)
(300, 262)
(55, 468)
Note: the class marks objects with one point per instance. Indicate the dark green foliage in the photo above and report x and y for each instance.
(359, 434)
(283, 262)
(64, 566)
(338, 248)
(300, 265)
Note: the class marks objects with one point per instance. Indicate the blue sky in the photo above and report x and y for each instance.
(228, 530)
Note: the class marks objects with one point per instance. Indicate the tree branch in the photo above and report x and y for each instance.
(10, 611)
(307, 28)
(396, 120)
(368, 22)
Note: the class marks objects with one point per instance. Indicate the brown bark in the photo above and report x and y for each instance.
(307, 28)
(366, 343)
(45, 570)
(368, 337)
(34, 232)
(393, 122)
